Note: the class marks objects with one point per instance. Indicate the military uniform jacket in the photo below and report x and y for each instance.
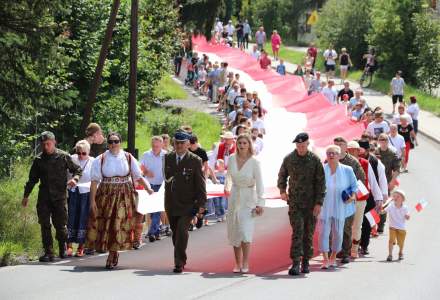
(352, 161)
(390, 160)
(51, 172)
(306, 180)
(185, 187)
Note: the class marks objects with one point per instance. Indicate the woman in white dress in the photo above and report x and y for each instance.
(244, 189)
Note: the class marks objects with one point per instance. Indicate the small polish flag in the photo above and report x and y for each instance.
(362, 189)
(421, 205)
(372, 217)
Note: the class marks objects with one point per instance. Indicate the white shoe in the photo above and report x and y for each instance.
(325, 265)
(333, 264)
(236, 270)
(245, 269)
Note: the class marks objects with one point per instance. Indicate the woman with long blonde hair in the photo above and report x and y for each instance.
(244, 189)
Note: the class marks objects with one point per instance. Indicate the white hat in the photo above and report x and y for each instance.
(227, 135)
(402, 193)
(353, 145)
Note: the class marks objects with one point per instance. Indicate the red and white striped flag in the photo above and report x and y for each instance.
(362, 190)
(372, 217)
(421, 205)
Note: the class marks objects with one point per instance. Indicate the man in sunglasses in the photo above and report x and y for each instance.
(50, 169)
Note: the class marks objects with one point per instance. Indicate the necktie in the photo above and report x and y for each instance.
(178, 160)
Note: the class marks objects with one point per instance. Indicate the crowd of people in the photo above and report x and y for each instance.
(101, 178)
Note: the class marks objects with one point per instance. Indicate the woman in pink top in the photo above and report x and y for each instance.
(276, 44)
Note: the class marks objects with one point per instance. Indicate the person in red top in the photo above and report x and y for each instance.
(313, 52)
(373, 191)
(226, 148)
(264, 60)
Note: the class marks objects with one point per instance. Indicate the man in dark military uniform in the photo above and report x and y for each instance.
(185, 194)
(305, 197)
(50, 168)
(348, 160)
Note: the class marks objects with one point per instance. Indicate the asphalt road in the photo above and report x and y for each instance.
(146, 273)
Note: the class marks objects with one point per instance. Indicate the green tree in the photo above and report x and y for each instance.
(427, 46)
(392, 33)
(341, 25)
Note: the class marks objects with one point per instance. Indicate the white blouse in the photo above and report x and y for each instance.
(85, 179)
(115, 165)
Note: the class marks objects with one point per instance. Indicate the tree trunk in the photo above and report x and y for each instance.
(100, 66)
(133, 78)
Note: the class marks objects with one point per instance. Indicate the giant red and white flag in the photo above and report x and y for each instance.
(372, 217)
(421, 205)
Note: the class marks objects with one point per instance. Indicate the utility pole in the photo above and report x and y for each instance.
(133, 78)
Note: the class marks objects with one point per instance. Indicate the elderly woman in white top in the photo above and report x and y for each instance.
(113, 201)
(244, 189)
(78, 202)
(338, 204)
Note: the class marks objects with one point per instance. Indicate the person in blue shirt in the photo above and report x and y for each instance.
(281, 68)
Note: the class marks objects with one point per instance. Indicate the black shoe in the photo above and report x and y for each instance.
(191, 227)
(136, 245)
(151, 239)
(47, 257)
(88, 251)
(294, 270)
(340, 254)
(365, 251)
(305, 266)
(62, 250)
(345, 260)
(178, 269)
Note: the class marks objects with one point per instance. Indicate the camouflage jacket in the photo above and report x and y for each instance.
(306, 179)
(51, 172)
(351, 161)
(390, 161)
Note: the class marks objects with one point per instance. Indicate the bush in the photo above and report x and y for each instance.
(392, 34)
(427, 45)
(344, 23)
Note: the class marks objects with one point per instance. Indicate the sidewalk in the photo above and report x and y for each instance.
(429, 124)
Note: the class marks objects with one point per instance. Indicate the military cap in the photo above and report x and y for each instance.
(364, 144)
(181, 136)
(301, 138)
(47, 135)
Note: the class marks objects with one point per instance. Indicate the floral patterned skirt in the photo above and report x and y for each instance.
(111, 228)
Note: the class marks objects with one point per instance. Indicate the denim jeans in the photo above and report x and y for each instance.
(154, 229)
(219, 206)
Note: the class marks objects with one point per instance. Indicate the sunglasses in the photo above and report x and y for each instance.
(110, 142)
(81, 153)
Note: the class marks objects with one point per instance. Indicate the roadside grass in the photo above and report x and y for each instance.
(167, 120)
(167, 87)
(20, 237)
(425, 101)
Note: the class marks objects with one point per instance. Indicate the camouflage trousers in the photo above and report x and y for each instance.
(56, 211)
(303, 227)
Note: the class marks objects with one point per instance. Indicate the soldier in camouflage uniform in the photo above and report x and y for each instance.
(50, 168)
(348, 160)
(305, 197)
(392, 167)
